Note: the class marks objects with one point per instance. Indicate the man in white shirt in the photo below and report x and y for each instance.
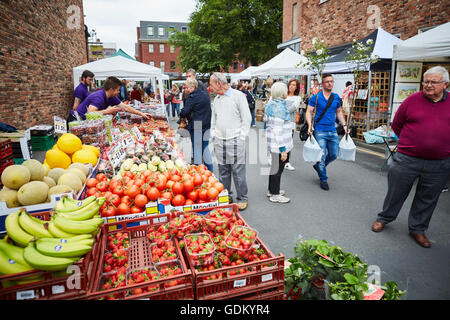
(230, 125)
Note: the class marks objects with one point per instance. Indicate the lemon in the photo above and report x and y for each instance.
(69, 143)
(57, 159)
(85, 156)
(89, 147)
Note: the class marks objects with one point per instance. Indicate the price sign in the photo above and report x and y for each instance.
(137, 133)
(127, 140)
(60, 125)
(116, 134)
(116, 154)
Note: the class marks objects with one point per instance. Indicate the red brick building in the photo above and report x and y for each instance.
(40, 43)
(339, 21)
(153, 48)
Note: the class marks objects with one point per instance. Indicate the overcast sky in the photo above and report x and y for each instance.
(117, 20)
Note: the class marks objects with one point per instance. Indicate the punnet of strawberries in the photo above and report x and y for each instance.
(158, 232)
(143, 275)
(200, 248)
(239, 241)
(114, 280)
(163, 250)
(185, 224)
(169, 269)
(119, 240)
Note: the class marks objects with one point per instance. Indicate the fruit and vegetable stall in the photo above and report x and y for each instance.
(116, 212)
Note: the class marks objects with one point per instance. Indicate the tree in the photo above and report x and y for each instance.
(249, 30)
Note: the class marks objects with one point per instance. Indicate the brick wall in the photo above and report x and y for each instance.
(37, 53)
(339, 21)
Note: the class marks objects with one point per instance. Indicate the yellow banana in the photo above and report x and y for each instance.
(43, 262)
(15, 231)
(77, 227)
(62, 249)
(32, 227)
(13, 252)
(10, 266)
(82, 238)
(86, 212)
(68, 205)
(57, 232)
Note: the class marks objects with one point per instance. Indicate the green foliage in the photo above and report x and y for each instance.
(320, 271)
(249, 30)
(361, 56)
(317, 59)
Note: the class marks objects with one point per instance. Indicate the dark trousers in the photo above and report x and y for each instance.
(432, 176)
(275, 172)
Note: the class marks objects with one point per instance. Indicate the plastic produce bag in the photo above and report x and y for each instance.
(347, 149)
(312, 152)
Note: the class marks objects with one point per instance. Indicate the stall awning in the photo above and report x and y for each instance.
(285, 63)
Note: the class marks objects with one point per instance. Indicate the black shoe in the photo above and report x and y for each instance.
(324, 185)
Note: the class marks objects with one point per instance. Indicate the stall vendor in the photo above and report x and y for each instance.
(82, 90)
(105, 101)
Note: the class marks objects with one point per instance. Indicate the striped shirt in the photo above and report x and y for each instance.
(278, 134)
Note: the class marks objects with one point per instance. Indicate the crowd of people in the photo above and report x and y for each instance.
(223, 114)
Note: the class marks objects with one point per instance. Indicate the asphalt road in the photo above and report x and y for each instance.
(343, 216)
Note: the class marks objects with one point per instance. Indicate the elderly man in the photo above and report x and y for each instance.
(422, 123)
(198, 110)
(230, 125)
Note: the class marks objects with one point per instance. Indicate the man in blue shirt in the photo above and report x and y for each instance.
(82, 91)
(325, 130)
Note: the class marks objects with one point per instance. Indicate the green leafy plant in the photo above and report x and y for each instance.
(317, 58)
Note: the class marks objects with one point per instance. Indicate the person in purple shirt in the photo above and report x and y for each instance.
(105, 101)
(422, 123)
(82, 91)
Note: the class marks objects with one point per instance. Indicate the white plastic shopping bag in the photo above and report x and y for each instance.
(347, 149)
(312, 152)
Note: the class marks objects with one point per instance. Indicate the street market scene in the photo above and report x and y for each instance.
(224, 150)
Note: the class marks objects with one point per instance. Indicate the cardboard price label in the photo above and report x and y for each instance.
(116, 154)
(127, 140)
(137, 133)
(60, 125)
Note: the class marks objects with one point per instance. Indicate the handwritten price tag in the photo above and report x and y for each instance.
(60, 125)
(137, 133)
(116, 155)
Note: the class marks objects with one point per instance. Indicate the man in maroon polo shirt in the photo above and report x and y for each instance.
(422, 123)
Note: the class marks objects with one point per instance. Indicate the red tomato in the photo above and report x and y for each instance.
(218, 186)
(114, 199)
(213, 193)
(101, 177)
(147, 173)
(198, 180)
(135, 209)
(161, 182)
(128, 174)
(113, 183)
(177, 188)
(91, 182)
(188, 185)
(175, 178)
(109, 211)
(118, 190)
(126, 200)
(170, 184)
(138, 182)
(193, 195)
(178, 200)
(189, 202)
(108, 194)
(141, 200)
(132, 191)
(123, 208)
(91, 191)
(102, 186)
(203, 195)
(153, 194)
(167, 195)
(174, 172)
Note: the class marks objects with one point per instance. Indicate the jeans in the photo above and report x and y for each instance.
(252, 111)
(168, 111)
(329, 142)
(200, 148)
(175, 106)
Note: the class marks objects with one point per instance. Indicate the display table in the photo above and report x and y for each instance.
(388, 136)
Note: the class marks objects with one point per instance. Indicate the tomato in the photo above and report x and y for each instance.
(218, 186)
(114, 200)
(193, 195)
(188, 185)
(161, 182)
(126, 200)
(123, 208)
(174, 172)
(128, 174)
(113, 183)
(177, 188)
(102, 186)
(125, 180)
(132, 191)
(175, 178)
(101, 177)
(167, 195)
(189, 202)
(203, 195)
(118, 190)
(178, 200)
(108, 194)
(170, 184)
(109, 211)
(138, 182)
(146, 173)
(92, 191)
(135, 209)
(212, 179)
(198, 180)
(141, 200)
(91, 182)
(186, 176)
(213, 193)
(153, 194)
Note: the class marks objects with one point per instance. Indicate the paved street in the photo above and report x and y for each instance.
(343, 216)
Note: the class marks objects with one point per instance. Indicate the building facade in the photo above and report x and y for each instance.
(41, 42)
(339, 21)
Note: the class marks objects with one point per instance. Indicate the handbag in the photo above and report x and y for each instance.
(304, 128)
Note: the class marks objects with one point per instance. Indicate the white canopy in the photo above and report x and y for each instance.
(432, 45)
(246, 74)
(120, 67)
(383, 47)
(284, 64)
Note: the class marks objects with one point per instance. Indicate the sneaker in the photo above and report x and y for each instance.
(324, 185)
(282, 193)
(445, 189)
(288, 166)
(279, 198)
(242, 205)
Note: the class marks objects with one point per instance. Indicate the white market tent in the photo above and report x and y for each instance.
(285, 63)
(122, 68)
(383, 47)
(244, 75)
(432, 45)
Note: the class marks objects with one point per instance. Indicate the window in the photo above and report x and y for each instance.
(162, 65)
(151, 48)
(172, 65)
(149, 30)
(294, 19)
(172, 49)
(161, 31)
(183, 29)
(161, 48)
(171, 30)
(152, 63)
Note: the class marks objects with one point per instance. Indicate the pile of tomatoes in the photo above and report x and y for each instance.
(131, 193)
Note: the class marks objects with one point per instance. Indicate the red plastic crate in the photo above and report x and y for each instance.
(6, 162)
(142, 258)
(53, 287)
(6, 149)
